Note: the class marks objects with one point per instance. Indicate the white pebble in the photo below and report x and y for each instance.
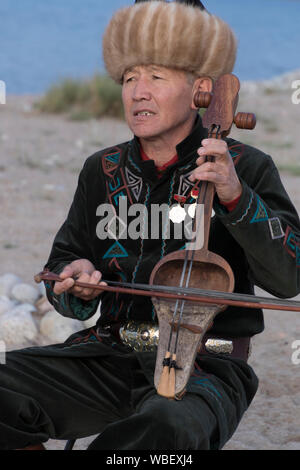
(6, 304)
(28, 308)
(25, 293)
(58, 328)
(7, 282)
(17, 329)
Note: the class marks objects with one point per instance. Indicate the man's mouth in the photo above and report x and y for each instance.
(144, 113)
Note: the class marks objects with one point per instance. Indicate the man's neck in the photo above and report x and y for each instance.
(158, 152)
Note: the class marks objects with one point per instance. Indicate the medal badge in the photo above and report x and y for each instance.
(178, 214)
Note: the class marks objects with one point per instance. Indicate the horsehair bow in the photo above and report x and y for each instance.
(182, 293)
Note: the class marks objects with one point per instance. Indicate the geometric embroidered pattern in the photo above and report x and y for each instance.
(236, 152)
(114, 158)
(291, 245)
(246, 211)
(116, 251)
(115, 184)
(110, 162)
(275, 228)
(260, 214)
(135, 183)
(118, 196)
(185, 185)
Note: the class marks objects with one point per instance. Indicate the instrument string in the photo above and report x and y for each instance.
(249, 298)
(201, 200)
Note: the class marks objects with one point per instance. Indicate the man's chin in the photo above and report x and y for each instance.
(146, 133)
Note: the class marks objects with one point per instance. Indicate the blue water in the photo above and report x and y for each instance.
(42, 41)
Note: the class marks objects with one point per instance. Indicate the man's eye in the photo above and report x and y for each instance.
(156, 77)
(128, 79)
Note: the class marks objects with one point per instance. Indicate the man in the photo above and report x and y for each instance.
(163, 53)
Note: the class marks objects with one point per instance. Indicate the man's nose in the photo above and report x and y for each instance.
(141, 90)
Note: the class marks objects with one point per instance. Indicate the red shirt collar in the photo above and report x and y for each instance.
(160, 169)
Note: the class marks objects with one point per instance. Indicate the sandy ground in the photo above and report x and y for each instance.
(40, 157)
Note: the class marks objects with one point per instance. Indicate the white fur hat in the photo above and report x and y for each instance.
(179, 34)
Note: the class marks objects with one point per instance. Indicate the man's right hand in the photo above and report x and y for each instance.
(83, 271)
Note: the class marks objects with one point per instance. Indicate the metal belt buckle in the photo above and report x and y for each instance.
(140, 336)
(218, 346)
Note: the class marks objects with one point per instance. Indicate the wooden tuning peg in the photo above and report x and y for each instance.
(245, 121)
(203, 99)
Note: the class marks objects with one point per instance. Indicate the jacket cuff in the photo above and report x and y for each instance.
(243, 210)
(70, 306)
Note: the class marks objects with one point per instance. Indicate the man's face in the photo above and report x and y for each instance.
(157, 102)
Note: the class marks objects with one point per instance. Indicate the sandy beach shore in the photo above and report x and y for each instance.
(40, 159)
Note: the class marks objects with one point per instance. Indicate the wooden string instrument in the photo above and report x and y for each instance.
(183, 324)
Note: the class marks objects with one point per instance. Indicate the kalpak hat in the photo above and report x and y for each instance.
(180, 35)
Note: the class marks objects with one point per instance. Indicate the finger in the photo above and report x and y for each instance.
(79, 291)
(96, 277)
(60, 287)
(216, 152)
(211, 176)
(200, 160)
(207, 167)
(216, 148)
(86, 292)
(214, 143)
(67, 272)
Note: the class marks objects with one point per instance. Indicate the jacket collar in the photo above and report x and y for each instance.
(189, 146)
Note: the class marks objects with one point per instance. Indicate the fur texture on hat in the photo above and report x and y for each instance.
(169, 34)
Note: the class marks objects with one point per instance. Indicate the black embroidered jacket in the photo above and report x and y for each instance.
(260, 238)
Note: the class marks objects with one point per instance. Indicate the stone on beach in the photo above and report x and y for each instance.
(25, 293)
(7, 282)
(57, 328)
(17, 327)
(6, 304)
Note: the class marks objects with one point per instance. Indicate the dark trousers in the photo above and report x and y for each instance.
(85, 387)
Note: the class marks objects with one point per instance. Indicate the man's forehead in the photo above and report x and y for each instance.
(150, 68)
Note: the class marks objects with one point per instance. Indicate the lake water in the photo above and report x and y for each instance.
(42, 41)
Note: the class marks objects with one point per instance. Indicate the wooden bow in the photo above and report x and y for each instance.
(176, 293)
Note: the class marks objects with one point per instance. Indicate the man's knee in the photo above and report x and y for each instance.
(176, 426)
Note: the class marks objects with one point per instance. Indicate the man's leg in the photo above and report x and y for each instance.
(162, 424)
(217, 396)
(59, 397)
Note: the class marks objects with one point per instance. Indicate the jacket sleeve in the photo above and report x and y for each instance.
(72, 243)
(266, 225)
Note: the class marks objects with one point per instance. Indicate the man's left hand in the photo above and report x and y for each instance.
(221, 172)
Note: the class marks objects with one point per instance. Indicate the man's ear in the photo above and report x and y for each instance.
(204, 84)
